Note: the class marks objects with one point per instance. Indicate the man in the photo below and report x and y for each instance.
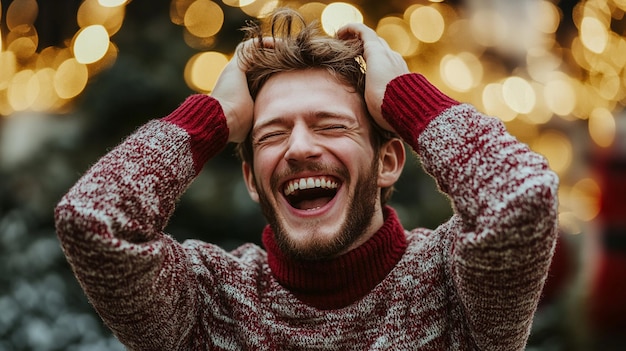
(337, 270)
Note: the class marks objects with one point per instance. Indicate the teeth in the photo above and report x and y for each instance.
(309, 183)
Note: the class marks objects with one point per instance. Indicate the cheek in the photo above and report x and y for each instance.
(354, 157)
(265, 164)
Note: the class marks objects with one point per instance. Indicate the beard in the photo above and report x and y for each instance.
(358, 218)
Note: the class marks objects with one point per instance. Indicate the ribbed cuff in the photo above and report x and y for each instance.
(203, 119)
(410, 103)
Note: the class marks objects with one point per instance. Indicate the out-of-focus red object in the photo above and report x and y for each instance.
(559, 273)
(607, 304)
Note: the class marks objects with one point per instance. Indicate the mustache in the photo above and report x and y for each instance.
(316, 167)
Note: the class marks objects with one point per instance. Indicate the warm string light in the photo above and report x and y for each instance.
(48, 80)
(451, 49)
(461, 52)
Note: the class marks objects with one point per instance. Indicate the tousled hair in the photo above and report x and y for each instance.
(297, 45)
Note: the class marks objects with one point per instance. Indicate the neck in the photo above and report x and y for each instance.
(340, 281)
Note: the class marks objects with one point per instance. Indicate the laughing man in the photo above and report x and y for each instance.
(321, 136)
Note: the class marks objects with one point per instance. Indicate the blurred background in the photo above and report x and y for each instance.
(76, 77)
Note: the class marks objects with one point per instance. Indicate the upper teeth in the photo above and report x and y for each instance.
(309, 183)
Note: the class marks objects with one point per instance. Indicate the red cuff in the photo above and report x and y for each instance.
(202, 117)
(410, 103)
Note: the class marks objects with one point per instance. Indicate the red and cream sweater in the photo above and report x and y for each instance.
(472, 283)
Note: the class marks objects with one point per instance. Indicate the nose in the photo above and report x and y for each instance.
(303, 145)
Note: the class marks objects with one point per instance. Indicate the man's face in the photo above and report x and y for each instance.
(315, 171)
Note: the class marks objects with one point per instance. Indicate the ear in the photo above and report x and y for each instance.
(391, 162)
(248, 177)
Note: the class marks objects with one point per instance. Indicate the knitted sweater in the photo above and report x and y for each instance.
(472, 283)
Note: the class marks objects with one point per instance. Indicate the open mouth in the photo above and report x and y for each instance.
(310, 193)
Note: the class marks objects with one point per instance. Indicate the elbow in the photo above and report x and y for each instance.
(544, 200)
(77, 222)
(536, 208)
(64, 218)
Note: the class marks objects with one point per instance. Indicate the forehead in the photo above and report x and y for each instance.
(306, 92)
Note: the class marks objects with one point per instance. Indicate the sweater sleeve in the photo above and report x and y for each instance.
(502, 235)
(111, 223)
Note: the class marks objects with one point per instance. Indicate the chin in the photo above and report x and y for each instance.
(315, 243)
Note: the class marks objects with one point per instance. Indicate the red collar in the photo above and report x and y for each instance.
(340, 281)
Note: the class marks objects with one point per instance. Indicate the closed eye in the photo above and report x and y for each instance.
(334, 127)
(270, 137)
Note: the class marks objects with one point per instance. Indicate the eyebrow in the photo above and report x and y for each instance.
(271, 122)
(266, 124)
(317, 115)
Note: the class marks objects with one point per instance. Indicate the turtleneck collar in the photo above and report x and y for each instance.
(340, 281)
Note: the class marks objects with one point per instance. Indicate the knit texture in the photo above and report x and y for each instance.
(206, 134)
(338, 282)
(472, 283)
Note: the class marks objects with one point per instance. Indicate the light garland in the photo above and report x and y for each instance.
(464, 53)
(49, 80)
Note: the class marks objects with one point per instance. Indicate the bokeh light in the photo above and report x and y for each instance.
(21, 12)
(602, 127)
(560, 95)
(178, 8)
(518, 94)
(46, 98)
(396, 32)
(338, 14)
(427, 24)
(260, 8)
(489, 28)
(8, 67)
(92, 12)
(70, 78)
(203, 69)
(312, 11)
(112, 3)
(23, 90)
(494, 103)
(584, 197)
(203, 18)
(461, 72)
(91, 44)
(23, 41)
(548, 17)
(238, 3)
(557, 149)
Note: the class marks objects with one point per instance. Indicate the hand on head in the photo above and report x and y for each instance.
(231, 90)
(383, 64)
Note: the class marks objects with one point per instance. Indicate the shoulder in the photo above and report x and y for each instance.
(429, 250)
(424, 250)
(421, 239)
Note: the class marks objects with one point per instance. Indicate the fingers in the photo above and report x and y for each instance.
(356, 31)
(243, 49)
(383, 65)
(265, 43)
(371, 40)
(360, 31)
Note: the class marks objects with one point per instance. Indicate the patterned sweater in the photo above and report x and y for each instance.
(472, 283)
